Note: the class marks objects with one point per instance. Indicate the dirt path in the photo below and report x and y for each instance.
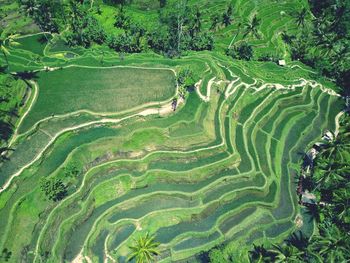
(164, 110)
(337, 125)
(212, 81)
(35, 95)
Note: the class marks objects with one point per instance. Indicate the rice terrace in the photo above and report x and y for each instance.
(174, 131)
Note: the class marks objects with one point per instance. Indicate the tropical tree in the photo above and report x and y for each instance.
(286, 253)
(121, 19)
(298, 240)
(7, 40)
(259, 254)
(331, 244)
(162, 3)
(215, 19)
(197, 20)
(288, 39)
(48, 15)
(300, 17)
(226, 17)
(335, 146)
(144, 249)
(252, 27)
(244, 51)
(341, 204)
(5, 254)
(329, 173)
(53, 188)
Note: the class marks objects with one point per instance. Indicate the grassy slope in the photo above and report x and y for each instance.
(145, 174)
(98, 90)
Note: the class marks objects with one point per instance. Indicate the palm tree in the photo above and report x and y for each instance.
(336, 146)
(301, 17)
(298, 240)
(5, 42)
(215, 22)
(330, 173)
(144, 249)
(226, 17)
(341, 203)
(288, 39)
(252, 27)
(197, 20)
(259, 254)
(331, 245)
(286, 253)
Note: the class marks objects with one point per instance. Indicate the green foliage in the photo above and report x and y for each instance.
(180, 27)
(215, 22)
(144, 249)
(230, 253)
(180, 30)
(53, 188)
(252, 27)
(49, 15)
(12, 93)
(185, 81)
(162, 3)
(226, 17)
(186, 78)
(202, 41)
(330, 180)
(269, 56)
(217, 256)
(322, 42)
(244, 52)
(301, 17)
(124, 43)
(85, 29)
(259, 254)
(5, 255)
(7, 40)
(71, 170)
(121, 19)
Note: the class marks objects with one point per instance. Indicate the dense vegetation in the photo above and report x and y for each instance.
(179, 26)
(12, 95)
(323, 40)
(326, 176)
(120, 159)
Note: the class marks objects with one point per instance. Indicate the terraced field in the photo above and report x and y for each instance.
(219, 169)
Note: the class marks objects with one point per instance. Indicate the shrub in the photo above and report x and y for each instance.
(244, 52)
(53, 188)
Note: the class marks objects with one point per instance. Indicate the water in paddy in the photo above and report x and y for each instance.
(193, 242)
(235, 219)
(154, 203)
(34, 43)
(69, 55)
(121, 234)
(98, 247)
(25, 152)
(81, 232)
(208, 220)
(62, 149)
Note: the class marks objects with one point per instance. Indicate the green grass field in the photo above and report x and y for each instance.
(99, 90)
(217, 170)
